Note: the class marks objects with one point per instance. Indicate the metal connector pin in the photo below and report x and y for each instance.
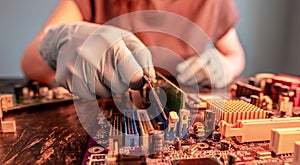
(156, 98)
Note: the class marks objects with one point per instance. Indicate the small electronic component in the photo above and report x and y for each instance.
(183, 126)
(199, 130)
(263, 155)
(209, 122)
(35, 85)
(18, 91)
(6, 101)
(267, 87)
(266, 103)
(50, 95)
(224, 145)
(283, 139)
(203, 145)
(111, 147)
(172, 125)
(43, 91)
(254, 99)
(275, 92)
(286, 106)
(232, 158)
(216, 136)
(96, 150)
(193, 149)
(177, 143)
(25, 93)
(233, 110)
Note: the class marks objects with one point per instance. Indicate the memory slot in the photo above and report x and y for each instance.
(116, 129)
(131, 136)
(145, 128)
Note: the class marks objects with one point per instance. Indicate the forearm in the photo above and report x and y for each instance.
(34, 66)
(230, 46)
(236, 62)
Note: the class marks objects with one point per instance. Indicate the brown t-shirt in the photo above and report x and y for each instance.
(170, 28)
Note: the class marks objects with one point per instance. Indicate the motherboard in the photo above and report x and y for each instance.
(258, 124)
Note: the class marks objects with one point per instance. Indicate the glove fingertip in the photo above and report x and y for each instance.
(181, 67)
(181, 79)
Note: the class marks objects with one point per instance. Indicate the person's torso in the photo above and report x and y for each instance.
(173, 30)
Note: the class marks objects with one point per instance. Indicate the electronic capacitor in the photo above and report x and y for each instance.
(224, 145)
(177, 143)
(254, 100)
(209, 122)
(268, 87)
(251, 81)
(276, 92)
(18, 91)
(216, 136)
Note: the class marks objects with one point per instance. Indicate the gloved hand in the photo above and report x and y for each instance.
(92, 59)
(209, 69)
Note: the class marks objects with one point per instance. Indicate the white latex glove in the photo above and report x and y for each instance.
(110, 61)
(208, 69)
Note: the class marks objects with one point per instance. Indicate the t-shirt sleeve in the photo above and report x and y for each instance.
(228, 17)
(220, 15)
